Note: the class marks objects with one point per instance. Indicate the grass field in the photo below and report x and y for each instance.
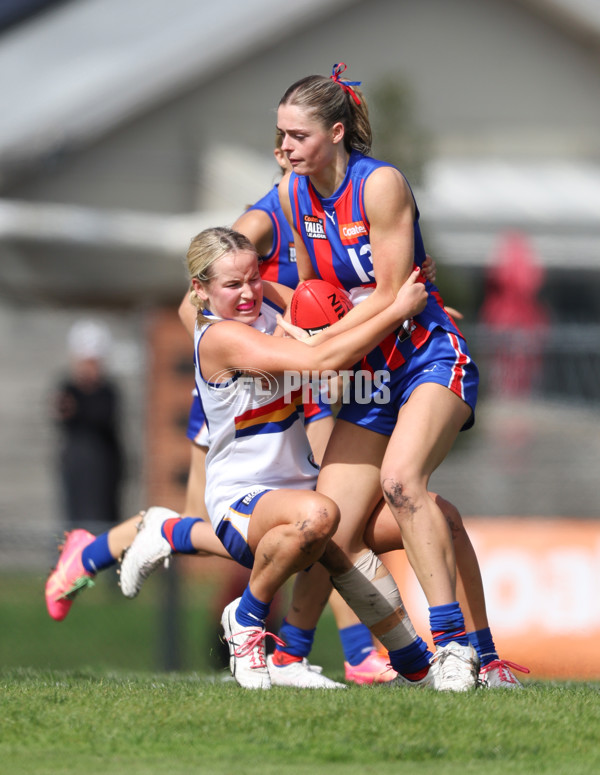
(106, 631)
(59, 722)
(85, 696)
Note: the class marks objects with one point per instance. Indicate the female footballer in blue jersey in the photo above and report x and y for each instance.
(356, 224)
(265, 224)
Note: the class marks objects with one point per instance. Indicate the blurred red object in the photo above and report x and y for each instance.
(515, 316)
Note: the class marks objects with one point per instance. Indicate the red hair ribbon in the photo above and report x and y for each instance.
(336, 71)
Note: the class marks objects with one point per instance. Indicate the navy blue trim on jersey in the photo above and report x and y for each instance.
(231, 539)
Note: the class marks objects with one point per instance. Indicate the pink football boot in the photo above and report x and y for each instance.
(69, 577)
(374, 669)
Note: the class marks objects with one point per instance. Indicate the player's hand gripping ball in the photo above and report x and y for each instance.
(316, 304)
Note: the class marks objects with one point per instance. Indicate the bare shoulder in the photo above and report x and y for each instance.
(222, 347)
(251, 220)
(221, 331)
(258, 227)
(387, 182)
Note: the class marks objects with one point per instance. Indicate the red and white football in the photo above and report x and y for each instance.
(317, 304)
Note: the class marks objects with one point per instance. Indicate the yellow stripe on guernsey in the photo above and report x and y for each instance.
(279, 414)
(232, 523)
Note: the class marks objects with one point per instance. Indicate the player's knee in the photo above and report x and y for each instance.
(319, 519)
(398, 494)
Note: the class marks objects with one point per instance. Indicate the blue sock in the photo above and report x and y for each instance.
(298, 642)
(251, 612)
(483, 643)
(411, 659)
(178, 535)
(96, 556)
(447, 624)
(357, 643)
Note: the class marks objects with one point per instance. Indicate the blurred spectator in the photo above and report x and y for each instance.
(86, 409)
(515, 317)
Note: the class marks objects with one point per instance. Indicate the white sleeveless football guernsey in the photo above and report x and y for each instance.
(256, 432)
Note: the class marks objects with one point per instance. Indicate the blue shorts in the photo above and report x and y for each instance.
(197, 429)
(374, 401)
(317, 409)
(232, 530)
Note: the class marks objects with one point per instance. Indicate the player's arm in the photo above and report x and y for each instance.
(187, 314)
(230, 345)
(258, 227)
(277, 293)
(303, 263)
(280, 295)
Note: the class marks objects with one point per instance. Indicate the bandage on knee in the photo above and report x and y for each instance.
(371, 592)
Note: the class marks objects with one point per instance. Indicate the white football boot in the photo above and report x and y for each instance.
(148, 549)
(301, 675)
(457, 668)
(429, 681)
(498, 675)
(247, 660)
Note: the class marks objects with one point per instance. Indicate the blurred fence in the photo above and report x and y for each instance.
(561, 361)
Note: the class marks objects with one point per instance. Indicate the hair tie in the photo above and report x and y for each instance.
(336, 71)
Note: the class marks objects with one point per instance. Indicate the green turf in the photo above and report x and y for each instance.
(105, 630)
(87, 696)
(59, 722)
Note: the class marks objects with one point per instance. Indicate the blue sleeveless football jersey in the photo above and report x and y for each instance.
(336, 233)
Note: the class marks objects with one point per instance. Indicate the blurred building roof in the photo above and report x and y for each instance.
(583, 14)
(68, 76)
(71, 75)
(13, 12)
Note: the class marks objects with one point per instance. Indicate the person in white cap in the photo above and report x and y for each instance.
(85, 407)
